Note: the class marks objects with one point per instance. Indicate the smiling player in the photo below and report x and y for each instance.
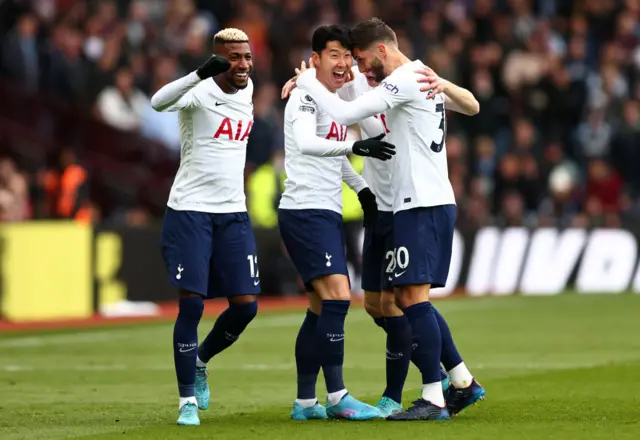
(207, 241)
(423, 201)
(310, 218)
(379, 265)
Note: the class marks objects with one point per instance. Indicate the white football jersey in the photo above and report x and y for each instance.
(315, 157)
(420, 176)
(214, 129)
(377, 173)
(417, 128)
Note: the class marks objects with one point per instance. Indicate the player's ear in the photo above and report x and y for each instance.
(315, 57)
(381, 50)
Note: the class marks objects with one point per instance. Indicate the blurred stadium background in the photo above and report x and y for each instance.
(546, 178)
(554, 147)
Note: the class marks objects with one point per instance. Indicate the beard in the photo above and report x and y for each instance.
(378, 70)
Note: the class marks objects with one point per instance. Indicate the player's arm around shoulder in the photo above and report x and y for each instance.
(460, 100)
(456, 98)
(342, 112)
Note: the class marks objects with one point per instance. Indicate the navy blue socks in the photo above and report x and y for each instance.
(398, 355)
(307, 359)
(427, 341)
(450, 355)
(380, 323)
(329, 339)
(185, 343)
(227, 328)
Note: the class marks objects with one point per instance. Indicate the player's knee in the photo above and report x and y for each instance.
(333, 287)
(406, 296)
(372, 304)
(186, 294)
(245, 310)
(315, 303)
(242, 299)
(388, 305)
(191, 307)
(336, 294)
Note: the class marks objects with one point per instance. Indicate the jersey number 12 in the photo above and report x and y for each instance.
(436, 148)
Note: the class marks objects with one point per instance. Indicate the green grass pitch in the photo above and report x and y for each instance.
(565, 367)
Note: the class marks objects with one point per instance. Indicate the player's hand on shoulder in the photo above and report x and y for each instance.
(374, 147)
(213, 66)
(369, 206)
(350, 76)
(303, 67)
(288, 88)
(291, 84)
(433, 83)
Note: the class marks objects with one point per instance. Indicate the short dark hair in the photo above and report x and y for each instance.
(335, 32)
(366, 33)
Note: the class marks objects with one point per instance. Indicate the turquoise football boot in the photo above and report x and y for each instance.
(387, 406)
(352, 409)
(189, 415)
(202, 388)
(316, 412)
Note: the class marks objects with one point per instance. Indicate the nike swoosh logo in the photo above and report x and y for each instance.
(220, 103)
(255, 283)
(335, 339)
(399, 274)
(183, 350)
(365, 150)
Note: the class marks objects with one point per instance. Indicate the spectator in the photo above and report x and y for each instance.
(68, 71)
(162, 126)
(122, 105)
(593, 136)
(20, 54)
(558, 84)
(562, 206)
(624, 148)
(14, 202)
(266, 134)
(604, 187)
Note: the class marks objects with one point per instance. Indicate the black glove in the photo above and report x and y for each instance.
(369, 207)
(213, 66)
(374, 147)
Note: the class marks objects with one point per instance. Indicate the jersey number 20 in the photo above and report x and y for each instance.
(436, 148)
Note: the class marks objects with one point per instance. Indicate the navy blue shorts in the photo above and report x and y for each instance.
(377, 254)
(423, 238)
(314, 239)
(213, 255)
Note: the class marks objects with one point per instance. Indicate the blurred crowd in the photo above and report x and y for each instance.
(555, 143)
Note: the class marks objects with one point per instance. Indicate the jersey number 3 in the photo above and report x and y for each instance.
(436, 148)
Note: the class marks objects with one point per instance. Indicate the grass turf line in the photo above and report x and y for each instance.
(565, 367)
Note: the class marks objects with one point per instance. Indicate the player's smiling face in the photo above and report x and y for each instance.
(239, 55)
(370, 65)
(333, 65)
